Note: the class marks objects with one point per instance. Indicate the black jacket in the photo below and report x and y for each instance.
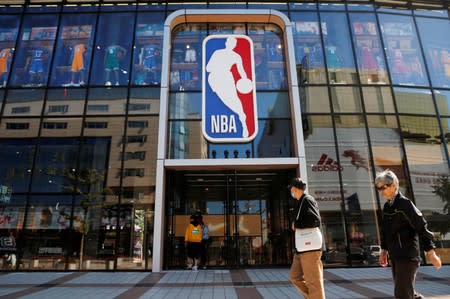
(309, 215)
(403, 228)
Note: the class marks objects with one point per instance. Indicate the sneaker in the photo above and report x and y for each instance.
(108, 83)
(117, 84)
(195, 268)
(189, 267)
(204, 267)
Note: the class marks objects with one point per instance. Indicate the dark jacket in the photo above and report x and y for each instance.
(309, 215)
(403, 228)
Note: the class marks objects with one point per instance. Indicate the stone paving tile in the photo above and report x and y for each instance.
(109, 278)
(6, 291)
(85, 293)
(30, 277)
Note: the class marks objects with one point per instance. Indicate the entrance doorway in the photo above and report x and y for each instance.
(246, 212)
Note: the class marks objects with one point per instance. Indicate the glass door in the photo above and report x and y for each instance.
(246, 213)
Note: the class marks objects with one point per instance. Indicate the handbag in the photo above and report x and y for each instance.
(307, 239)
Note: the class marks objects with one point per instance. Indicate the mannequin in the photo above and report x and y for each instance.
(113, 55)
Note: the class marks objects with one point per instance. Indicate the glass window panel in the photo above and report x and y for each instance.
(17, 160)
(107, 101)
(112, 52)
(138, 189)
(80, 8)
(144, 100)
(397, 10)
(421, 135)
(346, 99)
(21, 102)
(35, 50)
(323, 183)
(386, 146)
(368, 7)
(273, 104)
(272, 5)
(404, 56)
(67, 101)
(9, 27)
(431, 13)
(55, 157)
(314, 99)
(269, 56)
(443, 101)
(20, 128)
(61, 127)
(369, 53)
(47, 238)
(186, 57)
(308, 48)
(148, 49)
(305, 5)
(331, 6)
(437, 49)
(73, 50)
(360, 200)
(445, 123)
(338, 48)
(185, 105)
(417, 101)
(378, 99)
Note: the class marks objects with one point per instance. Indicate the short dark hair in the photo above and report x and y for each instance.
(297, 183)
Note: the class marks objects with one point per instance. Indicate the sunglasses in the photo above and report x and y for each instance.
(385, 186)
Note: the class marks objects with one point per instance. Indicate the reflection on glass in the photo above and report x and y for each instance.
(403, 51)
(445, 123)
(17, 160)
(9, 27)
(426, 159)
(148, 46)
(378, 99)
(346, 99)
(338, 48)
(417, 101)
(360, 198)
(107, 101)
(185, 68)
(61, 127)
(369, 52)
(112, 55)
(184, 105)
(65, 101)
(144, 101)
(74, 50)
(273, 104)
(386, 145)
(308, 48)
(314, 99)
(24, 102)
(443, 101)
(436, 48)
(35, 50)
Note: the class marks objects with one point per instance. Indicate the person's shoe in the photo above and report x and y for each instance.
(108, 83)
(195, 268)
(204, 267)
(189, 267)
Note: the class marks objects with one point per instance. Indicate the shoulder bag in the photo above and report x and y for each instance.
(307, 239)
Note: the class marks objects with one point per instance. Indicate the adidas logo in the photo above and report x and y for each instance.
(326, 163)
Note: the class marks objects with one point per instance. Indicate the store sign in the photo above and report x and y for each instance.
(229, 112)
(5, 193)
(326, 163)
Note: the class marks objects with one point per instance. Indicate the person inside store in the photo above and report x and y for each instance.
(206, 241)
(306, 272)
(403, 229)
(193, 242)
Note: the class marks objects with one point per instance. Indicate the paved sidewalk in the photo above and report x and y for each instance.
(346, 283)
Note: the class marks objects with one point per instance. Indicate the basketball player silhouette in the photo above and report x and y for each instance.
(222, 82)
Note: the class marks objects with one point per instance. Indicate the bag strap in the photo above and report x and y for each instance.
(301, 204)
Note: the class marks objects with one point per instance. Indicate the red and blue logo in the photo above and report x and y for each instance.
(229, 93)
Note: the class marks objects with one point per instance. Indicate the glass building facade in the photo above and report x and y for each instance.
(103, 159)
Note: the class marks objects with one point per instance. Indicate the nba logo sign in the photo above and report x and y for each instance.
(229, 94)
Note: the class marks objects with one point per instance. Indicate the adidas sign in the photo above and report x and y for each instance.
(326, 163)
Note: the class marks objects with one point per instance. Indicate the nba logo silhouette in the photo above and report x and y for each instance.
(228, 90)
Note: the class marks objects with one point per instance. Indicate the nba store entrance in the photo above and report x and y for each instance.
(247, 213)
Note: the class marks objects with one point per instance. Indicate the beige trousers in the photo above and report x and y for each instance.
(306, 274)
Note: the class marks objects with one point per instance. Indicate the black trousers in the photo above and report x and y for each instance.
(404, 272)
